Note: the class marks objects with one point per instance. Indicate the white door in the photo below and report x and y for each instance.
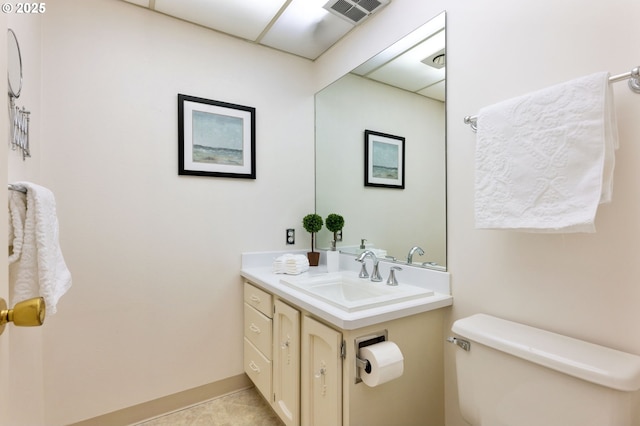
(4, 267)
(21, 378)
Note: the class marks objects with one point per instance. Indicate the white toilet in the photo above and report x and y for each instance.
(516, 375)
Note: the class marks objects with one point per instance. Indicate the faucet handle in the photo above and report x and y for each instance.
(392, 275)
(363, 271)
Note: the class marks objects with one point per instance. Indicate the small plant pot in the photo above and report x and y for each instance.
(314, 258)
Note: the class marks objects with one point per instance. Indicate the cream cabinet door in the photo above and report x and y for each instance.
(286, 363)
(321, 374)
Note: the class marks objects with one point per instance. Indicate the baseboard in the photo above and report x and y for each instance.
(169, 403)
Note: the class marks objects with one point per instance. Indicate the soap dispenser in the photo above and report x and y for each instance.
(362, 246)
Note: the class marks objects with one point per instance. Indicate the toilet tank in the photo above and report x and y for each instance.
(516, 375)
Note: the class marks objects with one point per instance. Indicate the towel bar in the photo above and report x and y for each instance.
(632, 76)
(13, 187)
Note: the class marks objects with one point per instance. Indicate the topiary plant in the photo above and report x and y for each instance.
(312, 223)
(334, 222)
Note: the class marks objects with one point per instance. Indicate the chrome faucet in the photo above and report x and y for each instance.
(392, 275)
(412, 251)
(375, 275)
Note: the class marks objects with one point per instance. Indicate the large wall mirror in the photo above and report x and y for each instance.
(399, 92)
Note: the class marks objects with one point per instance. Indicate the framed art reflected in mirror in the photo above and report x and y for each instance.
(383, 160)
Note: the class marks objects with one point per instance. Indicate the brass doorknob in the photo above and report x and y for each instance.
(28, 313)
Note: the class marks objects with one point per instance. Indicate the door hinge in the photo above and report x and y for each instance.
(343, 350)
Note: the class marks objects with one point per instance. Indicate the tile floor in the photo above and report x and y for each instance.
(243, 408)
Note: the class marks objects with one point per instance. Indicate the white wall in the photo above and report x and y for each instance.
(156, 302)
(581, 285)
(585, 285)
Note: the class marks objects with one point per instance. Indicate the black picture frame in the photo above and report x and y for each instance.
(384, 160)
(216, 138)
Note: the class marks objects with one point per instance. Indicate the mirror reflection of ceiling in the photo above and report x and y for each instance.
(415, 63)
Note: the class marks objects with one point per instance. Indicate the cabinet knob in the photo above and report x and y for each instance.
(286, 343)
(322, 374)
(286, 346)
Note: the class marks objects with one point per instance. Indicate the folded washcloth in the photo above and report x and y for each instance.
(37, 267)
(292, 264)
(544, 161)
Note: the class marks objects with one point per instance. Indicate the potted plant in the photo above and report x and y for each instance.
(334, 222)
(312, 223)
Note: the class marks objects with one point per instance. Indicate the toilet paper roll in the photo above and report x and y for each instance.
(387, 363)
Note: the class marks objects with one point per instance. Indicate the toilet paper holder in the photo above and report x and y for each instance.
(364, 364)
(361, 342)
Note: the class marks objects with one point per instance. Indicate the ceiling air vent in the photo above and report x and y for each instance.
(436, 60)
(355, 11)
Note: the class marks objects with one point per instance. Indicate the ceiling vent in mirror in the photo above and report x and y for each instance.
(355, 11)
(436, 60)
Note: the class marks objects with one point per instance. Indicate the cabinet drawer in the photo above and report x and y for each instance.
(257, 328)
(258, 368)
(259, 299)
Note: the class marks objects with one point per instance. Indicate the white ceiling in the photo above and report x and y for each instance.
(300, 27)
(304, 28)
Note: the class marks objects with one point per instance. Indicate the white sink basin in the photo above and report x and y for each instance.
(350, 293)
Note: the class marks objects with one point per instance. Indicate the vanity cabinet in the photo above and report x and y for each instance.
(272, 351)
(321, 374)
(258, 340)
(286, 363)
(277, 342)
(305, 367)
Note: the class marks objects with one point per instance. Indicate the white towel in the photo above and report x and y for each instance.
(291, 264)
(37, 267)
(544, 161)
(17, 216)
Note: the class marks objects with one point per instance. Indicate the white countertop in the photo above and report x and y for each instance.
(257, 268)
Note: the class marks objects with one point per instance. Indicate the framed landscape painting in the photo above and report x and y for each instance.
(216, 138)
(383, 160)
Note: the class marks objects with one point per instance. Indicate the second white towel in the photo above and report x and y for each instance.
(544, 161)
(37, 267)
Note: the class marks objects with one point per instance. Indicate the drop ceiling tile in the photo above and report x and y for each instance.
(306, 29)
(246, 19)
(435, 91)
(408, 76)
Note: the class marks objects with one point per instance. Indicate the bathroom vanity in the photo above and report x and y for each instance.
(300, 350)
